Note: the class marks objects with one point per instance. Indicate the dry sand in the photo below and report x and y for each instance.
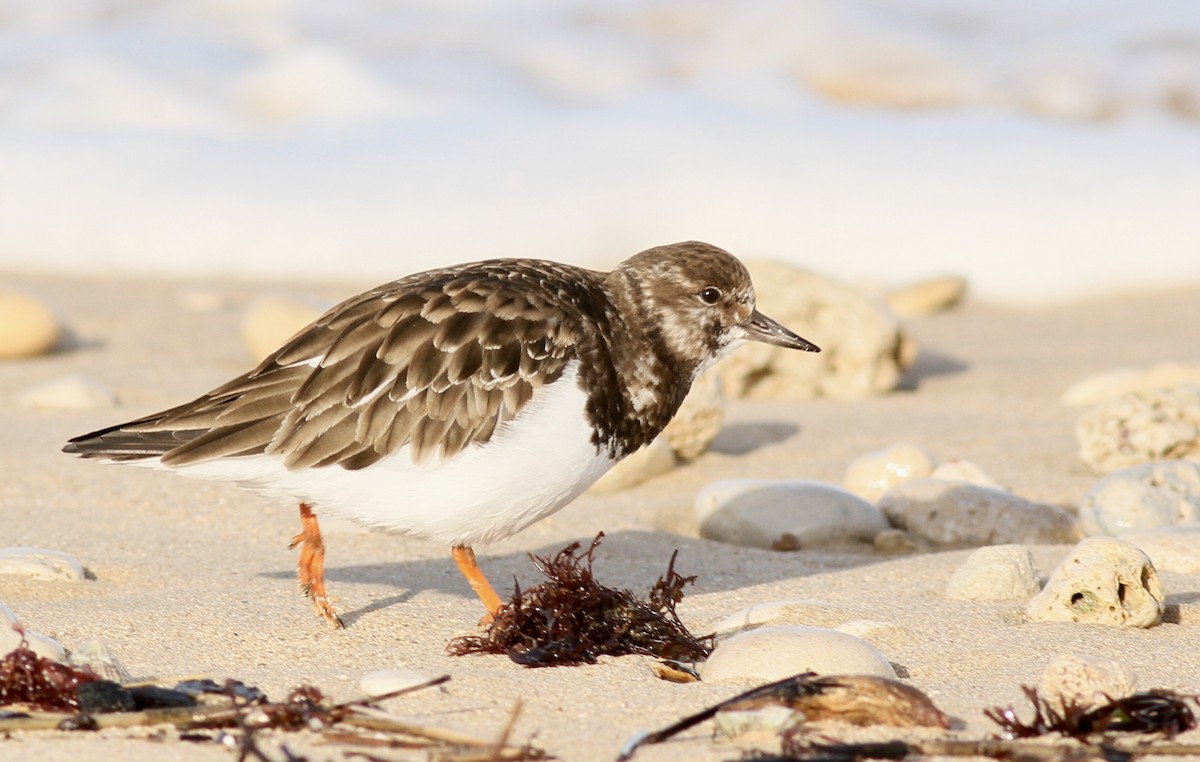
(195, 577)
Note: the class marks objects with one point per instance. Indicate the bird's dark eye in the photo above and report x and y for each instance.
(710, 295)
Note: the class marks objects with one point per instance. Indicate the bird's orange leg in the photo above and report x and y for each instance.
(465, 558)
(310, 568)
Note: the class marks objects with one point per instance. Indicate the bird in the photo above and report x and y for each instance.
(461, 404)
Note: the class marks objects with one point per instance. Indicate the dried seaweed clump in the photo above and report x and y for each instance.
(1155, 711)
(571, 619)
(41, 683)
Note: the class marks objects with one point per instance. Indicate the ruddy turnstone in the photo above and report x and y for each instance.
(460, 405)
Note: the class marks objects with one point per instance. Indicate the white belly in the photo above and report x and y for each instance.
(539, 462)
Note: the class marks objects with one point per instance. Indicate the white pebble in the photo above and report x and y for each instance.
(1145, 496)
(385, 681)
(959, 470)
(40, 563)
(957, 513)
(1085, 682)
(1141, 426)
(69, 393)
(870, 476)
(762, 513)
(1102, 581)
(28, 328)
(995, 573)
(271, 320)
(773, 653)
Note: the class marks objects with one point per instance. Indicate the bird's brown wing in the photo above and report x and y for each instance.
(436, 362)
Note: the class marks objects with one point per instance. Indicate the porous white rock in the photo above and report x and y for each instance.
(1145, 496)
(1174, 549)
(995, 573)
(871, 475)
(271, 320)
(1103, 580)
(384, 681)
(864, 348)
(957, 513)
(73, 392)
(1111, 384)
(1142, 426)
(926, 297)
(28, 327)
(41, 563)
(763, 513)
(773, 653)
(1085, 682)
(11, 633)
(959, 470)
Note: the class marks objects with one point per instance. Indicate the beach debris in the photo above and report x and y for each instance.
(685, 438)
(864, 347)
(961, 514)
(1085, 682)
(926, 297)
(1110, 384)
(784, 515)
(1103, 580)
(28, 327)
(73, 392)
(852, 699)
(1154, 711)
(1145, 496)
(995, 573)
(871, 475)
(386, 681)
(769, 653)
(36, 681)
(41, 563)
(1162, 423)
(572, 619)
(272, 319)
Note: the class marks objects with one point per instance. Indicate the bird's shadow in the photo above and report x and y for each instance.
(629, 559)
(927, 365)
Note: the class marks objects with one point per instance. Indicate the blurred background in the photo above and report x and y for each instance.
(1044, 150)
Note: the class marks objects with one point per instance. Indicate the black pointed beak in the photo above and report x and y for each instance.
(762, 328)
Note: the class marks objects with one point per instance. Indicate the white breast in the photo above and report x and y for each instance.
(531, 467)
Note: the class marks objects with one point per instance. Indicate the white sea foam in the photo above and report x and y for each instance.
(1043, 150)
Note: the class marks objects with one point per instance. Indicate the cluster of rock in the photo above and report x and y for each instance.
(1132, 523)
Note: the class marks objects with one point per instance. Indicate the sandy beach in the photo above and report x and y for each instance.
(195, 577)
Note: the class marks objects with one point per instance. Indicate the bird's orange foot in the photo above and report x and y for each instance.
(465, 558)
(310, 567)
